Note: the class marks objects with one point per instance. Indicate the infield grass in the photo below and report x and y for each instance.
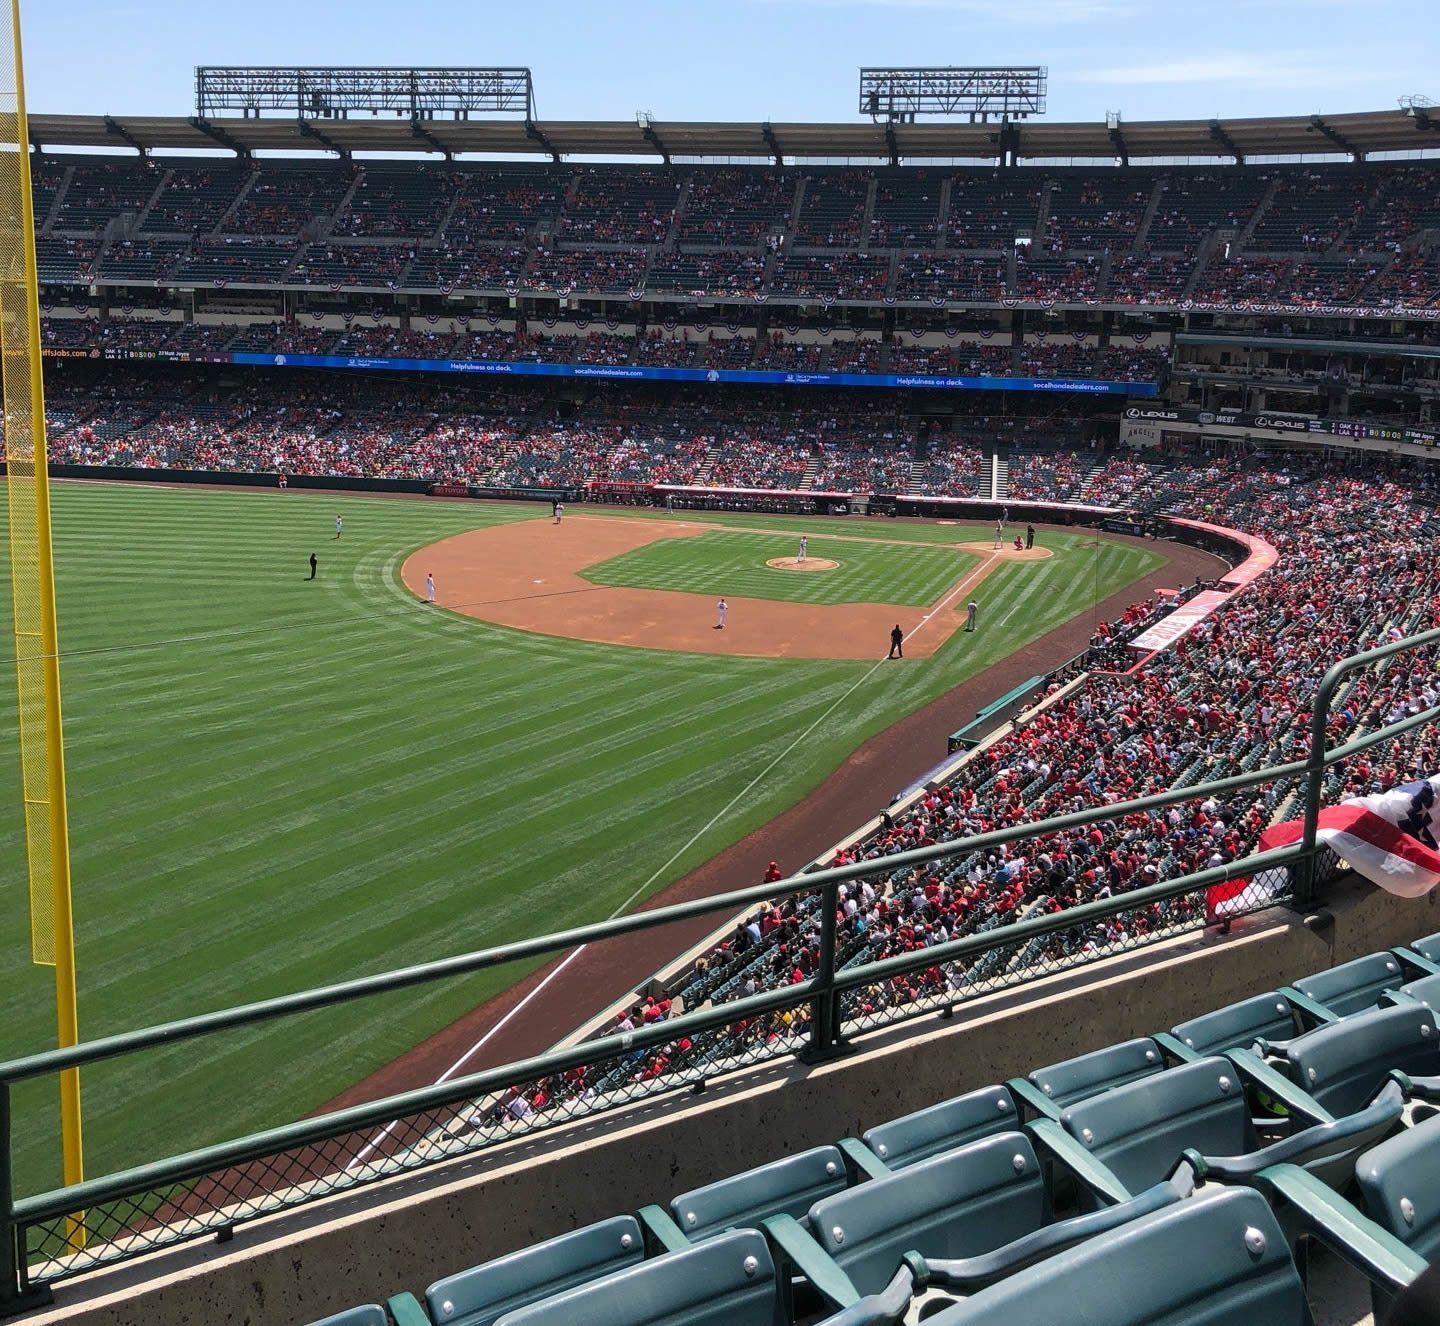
(276, 783)
(725, 562)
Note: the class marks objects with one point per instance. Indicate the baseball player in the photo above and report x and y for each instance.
(721, 609)
(804, 543)
(429, 588)
(339, 525)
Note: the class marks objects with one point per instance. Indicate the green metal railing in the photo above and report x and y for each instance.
(208, 1191)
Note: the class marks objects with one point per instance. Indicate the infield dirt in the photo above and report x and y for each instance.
(527, 576)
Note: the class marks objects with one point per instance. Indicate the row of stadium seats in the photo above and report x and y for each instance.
(1313, 235)
(1310, 208)
(1181, 1176)
(1402, 279)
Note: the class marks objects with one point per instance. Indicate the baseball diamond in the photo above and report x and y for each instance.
(277, 781)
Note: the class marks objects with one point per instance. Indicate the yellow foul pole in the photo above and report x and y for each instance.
(33, 587)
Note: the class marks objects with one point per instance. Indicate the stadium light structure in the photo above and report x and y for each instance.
(1011, 92)
(323, 93)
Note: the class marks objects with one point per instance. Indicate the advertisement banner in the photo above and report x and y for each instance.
(752, 377)
(1184, 619)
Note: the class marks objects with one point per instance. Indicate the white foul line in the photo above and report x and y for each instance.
(973, 577)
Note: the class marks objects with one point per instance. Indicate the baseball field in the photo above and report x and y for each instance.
(276, 783)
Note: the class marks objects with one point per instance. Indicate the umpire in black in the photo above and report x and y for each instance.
(897, 643)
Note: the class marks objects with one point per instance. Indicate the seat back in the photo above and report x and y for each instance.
(943, 1127)
(786, 1187)
(484, 1294)
(369, 1314)
(958, 1204)
(1238, 1026)
(1400, 1181)
(1074, 1080)
(728, 1280)
(1425, 990)
(1355, 986)
(1217, 1259)
(1342, 1065)
(1139, 1130)
(1428, 948)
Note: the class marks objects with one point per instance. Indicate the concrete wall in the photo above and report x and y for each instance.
(403, 1234)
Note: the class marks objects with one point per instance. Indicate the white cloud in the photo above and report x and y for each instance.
(1221, 67)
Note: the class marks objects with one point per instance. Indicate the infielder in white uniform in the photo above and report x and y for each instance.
(804, 542)
(720, 610)
(429, 588)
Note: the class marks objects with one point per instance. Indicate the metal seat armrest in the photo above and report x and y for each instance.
(1275, 1084)
(1409, 957)
(405, 1310)
(891, 1303)
(860, 1161)
(797, 1249)
(1175, 1048)
(1322, 1214)
(1030, 1099)
(661, 1232)
(1360, 1129)
(1314, 1012)
(1422, 1088)
(1088, 1171)
(971, 1274)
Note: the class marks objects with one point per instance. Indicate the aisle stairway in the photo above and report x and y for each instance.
(812, 468)
(707, 466)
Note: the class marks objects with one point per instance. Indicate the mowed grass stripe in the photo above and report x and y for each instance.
(733, 564)
(332, 779)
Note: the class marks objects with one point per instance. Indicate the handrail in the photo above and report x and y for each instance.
(50, 1061)
(822, 992)
(288, 1136)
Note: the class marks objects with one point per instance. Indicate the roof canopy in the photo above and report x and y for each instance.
(1359, 134)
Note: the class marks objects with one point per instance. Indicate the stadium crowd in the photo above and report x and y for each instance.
(1230, 695)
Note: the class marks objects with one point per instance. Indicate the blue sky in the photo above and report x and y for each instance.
(761, 59)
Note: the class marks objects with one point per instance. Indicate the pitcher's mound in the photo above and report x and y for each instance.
(795, 564)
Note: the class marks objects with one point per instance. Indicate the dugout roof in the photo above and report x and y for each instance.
(1359, 134)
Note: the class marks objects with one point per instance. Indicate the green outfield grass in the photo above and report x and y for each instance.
(725, 562)
(275, 783)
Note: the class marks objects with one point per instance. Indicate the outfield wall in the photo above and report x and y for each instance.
(407, 1232)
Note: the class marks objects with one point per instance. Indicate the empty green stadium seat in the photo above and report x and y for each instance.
(1269, 1017)
(1427, 948)
(1049, 1090)
(785, 1187)
(1350, 988)
(370, 1314)
(1400, 1183)
(914, 1137)
(1423, 990)
(728, 1280)
(981, 1210)
(1344, 1064)
(1122, 1142)
(483, 1294)
(1218, 1259)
